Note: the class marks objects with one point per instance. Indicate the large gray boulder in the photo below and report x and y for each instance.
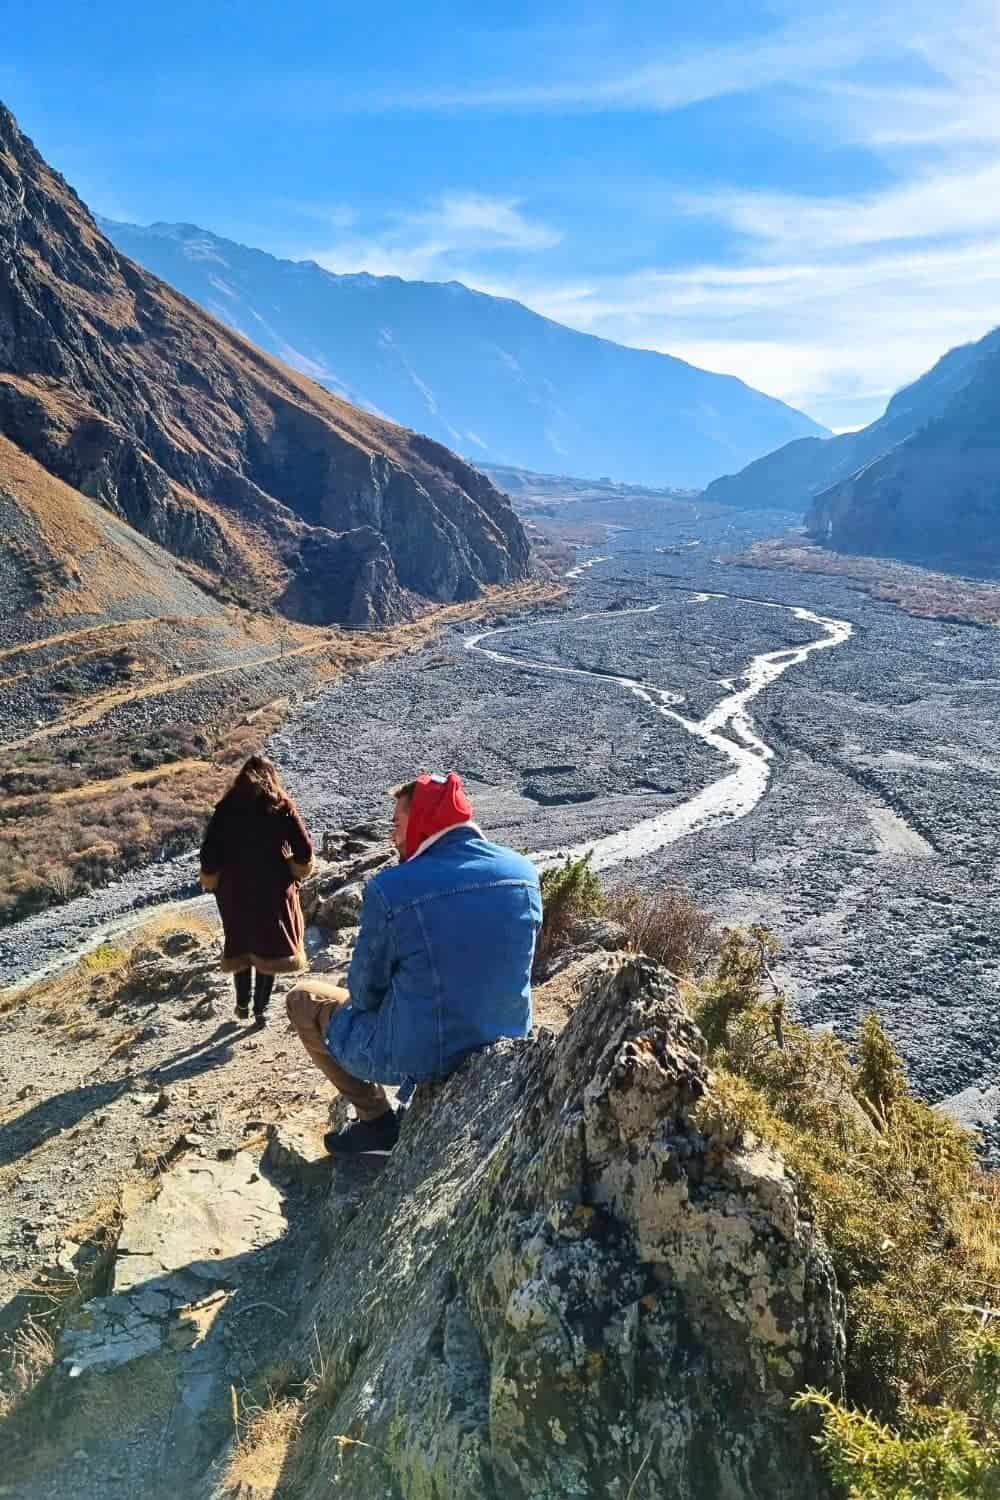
(555, 1286)
(350, 858)
(341, 909)
(559, 1287)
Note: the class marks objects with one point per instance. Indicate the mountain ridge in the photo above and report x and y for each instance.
(132, 394)
(935, 496)
(793, 476)
(503, 384)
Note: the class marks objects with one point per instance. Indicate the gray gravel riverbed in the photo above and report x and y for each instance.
(872, 851)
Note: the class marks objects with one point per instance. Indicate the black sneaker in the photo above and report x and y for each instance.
(364, 1135)
(242, 1012)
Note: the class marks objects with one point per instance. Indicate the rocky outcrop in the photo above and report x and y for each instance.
(934, 499)
(140, 400)
(556, 1285)
(792, 477)
(577, 1292)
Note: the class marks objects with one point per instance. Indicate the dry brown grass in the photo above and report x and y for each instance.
(266, 1435)
(918, 591)
(555, 1001)
(65, 995)
(29, 1355)
(667, 925)
(116, 783)
(57, 839)
(88, 633)
(103, 1219)
(63, 517)
(70, 823)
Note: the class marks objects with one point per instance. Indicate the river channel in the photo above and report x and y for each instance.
(727, 728)
(45, 943)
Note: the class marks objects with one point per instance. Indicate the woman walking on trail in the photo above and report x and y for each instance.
(255, 853)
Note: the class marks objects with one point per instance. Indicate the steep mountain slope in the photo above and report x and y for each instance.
(790, 477)
(128, 691)
(483, 374)
(67, 563)
(134, 396)
(935, 498)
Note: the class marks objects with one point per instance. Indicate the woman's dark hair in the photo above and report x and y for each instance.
(258, 781)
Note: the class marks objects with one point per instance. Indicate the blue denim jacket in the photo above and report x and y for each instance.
(442, 964)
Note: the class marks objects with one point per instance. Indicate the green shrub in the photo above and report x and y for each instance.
(569, 892)
(911, 1221)
(881, 1078)
(938, 1455)
(735, 987)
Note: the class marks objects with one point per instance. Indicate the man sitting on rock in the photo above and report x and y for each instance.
(441, 968)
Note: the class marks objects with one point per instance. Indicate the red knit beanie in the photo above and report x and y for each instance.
(438, 802)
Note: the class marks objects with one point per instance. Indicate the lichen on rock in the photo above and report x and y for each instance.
(560, 1287)
(555, 1286)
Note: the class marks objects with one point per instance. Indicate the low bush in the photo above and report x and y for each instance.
(666, 924)
(570, 892)
(944, 1454)
(911, 1220)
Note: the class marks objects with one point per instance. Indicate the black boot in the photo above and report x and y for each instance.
(263, 985)
(364, 1135)
(241, 983)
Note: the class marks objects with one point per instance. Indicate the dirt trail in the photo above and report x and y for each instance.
(113, 783)
(77, 635)
(356, 651)
(161, 687)
(104, 1071)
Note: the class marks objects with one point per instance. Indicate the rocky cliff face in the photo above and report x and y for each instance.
(483, 374)
(134, 396)
(933, 499)
(555, 1286)
(792, 477)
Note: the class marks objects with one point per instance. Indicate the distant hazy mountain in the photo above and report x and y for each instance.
(796, 473)
(483, 374)
(934, 498)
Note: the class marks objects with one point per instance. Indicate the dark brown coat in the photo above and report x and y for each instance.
(256, 885)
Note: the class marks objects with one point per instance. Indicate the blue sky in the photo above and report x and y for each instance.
(806, 195)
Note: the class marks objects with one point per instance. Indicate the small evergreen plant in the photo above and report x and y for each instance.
(570, 892)
(911, 1221)
(942, 1454)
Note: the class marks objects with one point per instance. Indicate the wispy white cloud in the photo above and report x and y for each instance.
(828, 300)
(947, 202)
(439, 239)
(833, 336)
(804, 46)
(833, 302)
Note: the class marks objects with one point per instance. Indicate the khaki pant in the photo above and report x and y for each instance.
(310, 1005)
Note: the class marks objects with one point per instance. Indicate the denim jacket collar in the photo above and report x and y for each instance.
(466, 826)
